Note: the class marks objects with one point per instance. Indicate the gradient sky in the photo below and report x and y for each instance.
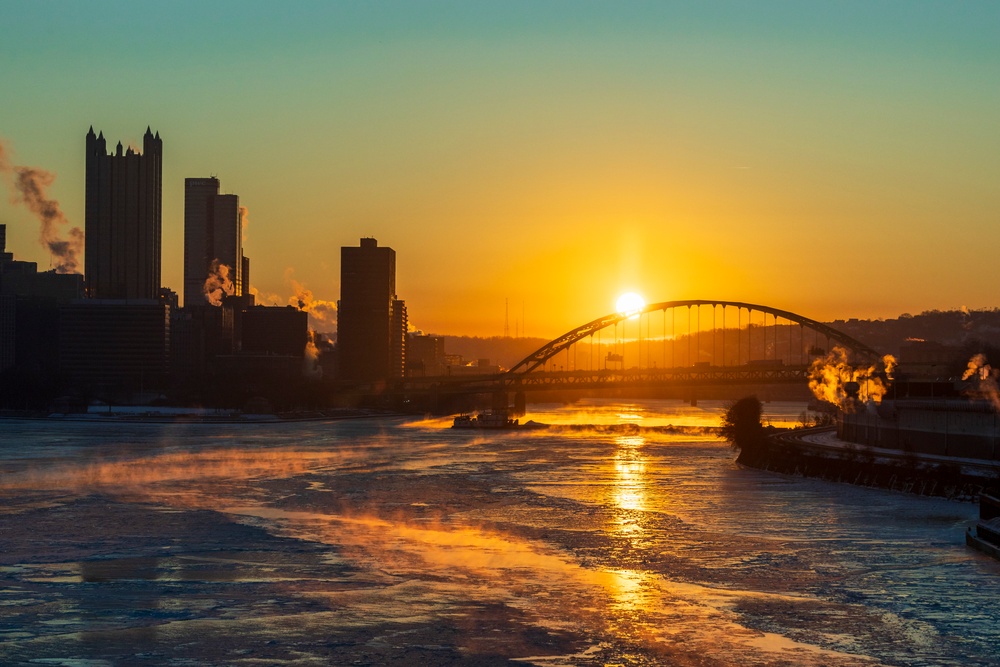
(834, 159)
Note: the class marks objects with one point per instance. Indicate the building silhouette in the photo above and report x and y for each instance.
(24, 281)
(274, 330)
(115, 346)
(397, 339)
(213, 239)
(123, 218)
(29, 302)
(8, 315)
(424, 355)
(371, 321)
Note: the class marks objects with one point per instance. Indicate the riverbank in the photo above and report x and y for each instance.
(818, 453)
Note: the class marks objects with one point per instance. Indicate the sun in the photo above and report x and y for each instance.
(630, 304)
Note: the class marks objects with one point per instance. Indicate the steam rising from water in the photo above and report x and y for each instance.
(143, 473)
(620, 539)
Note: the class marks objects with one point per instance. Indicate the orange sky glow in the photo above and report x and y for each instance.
(534, 163)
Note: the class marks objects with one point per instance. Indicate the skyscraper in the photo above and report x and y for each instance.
(370, 344)
(123, 218)
(213, 242)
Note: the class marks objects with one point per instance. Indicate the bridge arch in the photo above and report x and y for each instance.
(557, 345)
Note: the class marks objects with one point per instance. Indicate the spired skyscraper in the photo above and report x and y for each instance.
(371, 321)
(123, 218)
(213, 242)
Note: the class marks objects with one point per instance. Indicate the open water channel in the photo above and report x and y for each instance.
(606, 539)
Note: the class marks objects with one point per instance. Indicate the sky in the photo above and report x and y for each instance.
(531, 161)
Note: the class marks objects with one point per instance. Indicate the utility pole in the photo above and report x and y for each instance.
(506, 318)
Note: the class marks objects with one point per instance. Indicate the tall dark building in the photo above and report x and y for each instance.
(8, 310)
(123, 218)
(397, 339)
(213, 234)
(371, 321)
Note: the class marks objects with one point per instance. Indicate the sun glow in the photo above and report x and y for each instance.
(630, 304)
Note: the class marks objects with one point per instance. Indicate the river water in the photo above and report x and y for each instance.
(623, 534)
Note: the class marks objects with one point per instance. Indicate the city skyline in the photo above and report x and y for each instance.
(838, 161)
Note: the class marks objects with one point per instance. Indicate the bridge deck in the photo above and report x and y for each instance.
(606, 379)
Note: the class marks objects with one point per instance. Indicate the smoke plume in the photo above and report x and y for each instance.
(829, 376)
(319, 310)
(218, 284)
(264, 298)
(985, 380)
(310, 362)
(30, 185)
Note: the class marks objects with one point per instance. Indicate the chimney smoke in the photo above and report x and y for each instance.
(218, 284)
(30, 185)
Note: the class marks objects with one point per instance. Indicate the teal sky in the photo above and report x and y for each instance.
(835, 159)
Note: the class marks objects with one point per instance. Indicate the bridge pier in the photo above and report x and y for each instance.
(520, 404)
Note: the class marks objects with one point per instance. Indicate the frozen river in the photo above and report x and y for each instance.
(607, 539)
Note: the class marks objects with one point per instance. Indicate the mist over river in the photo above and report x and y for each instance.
(606, 539)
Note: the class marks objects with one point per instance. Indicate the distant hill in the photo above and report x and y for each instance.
(968, 331)
(964, 329)
(499, 350)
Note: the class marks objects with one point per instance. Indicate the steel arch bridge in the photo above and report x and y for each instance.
(550, 350)
(756, 346)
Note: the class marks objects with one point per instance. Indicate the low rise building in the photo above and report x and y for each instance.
(119, 345)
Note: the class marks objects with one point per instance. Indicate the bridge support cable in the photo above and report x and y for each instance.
(697, 356)
(801, 343)
(649, 340)
(789, 342)
(688, 360)
(723, 335)
(714, 336)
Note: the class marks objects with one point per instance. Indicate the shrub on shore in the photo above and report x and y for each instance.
(742, 424)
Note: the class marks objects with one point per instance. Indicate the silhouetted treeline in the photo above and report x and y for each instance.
(501, 350)
(968, 329)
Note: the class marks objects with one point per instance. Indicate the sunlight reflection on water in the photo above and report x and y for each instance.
(646, 547)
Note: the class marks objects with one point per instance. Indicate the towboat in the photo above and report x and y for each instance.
(493, 419)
